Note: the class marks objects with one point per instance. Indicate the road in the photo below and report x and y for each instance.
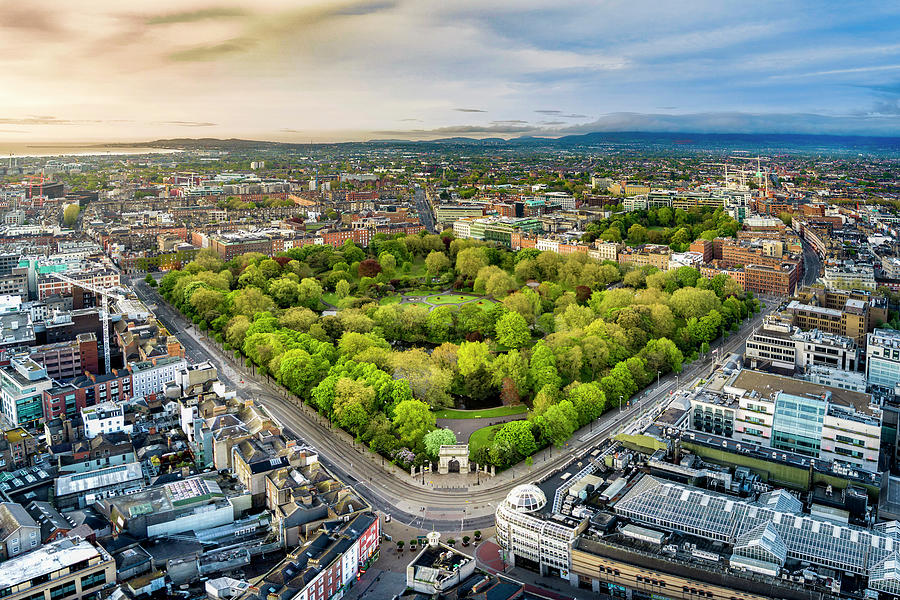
(423, 207)
(812, 264)
(393, 491)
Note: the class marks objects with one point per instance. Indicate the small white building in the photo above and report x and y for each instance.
(151, 376)
(107, 417)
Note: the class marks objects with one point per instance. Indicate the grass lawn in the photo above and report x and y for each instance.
(486, 413)
(484, 303)
(482, 437)
(389, 300)
(450, 299)
(416, 304)
(330, 298)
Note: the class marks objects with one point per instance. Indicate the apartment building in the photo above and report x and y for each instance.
(19, 532)
(852, 321)
(778, 345)
(150, 376)
(69, 568)
(233, 245)
(104, 418)
(448, 213)
(654, 255)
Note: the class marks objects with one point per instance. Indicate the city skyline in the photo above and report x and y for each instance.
(377, 69)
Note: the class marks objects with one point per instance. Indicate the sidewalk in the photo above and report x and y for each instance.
(487, 556)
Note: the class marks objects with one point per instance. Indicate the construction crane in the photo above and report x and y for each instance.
(105, 294)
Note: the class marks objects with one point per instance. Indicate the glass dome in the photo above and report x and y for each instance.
(526, 498)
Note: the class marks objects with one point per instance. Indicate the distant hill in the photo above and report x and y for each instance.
(635, 140)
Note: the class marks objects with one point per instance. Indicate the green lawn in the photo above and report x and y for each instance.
(416, 304)
(482, 437)
(486, 413)
(389, 300)
(484, 303)
(330, 298)
(450, 299)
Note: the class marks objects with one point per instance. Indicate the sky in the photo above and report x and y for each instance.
(108, 70)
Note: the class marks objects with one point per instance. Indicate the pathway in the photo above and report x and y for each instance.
(463, 428)
(431, 305)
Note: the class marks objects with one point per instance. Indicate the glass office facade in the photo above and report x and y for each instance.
(797, 424)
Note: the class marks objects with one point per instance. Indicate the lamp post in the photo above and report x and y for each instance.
(657, 379)
(620, 404)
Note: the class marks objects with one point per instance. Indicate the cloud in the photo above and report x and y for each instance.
(189, 123)
(410, 119)
(887, 107)
(573, 116)
(549, 112)
(25, 17)
(193, 16)
(509, 122)
(474, 130)
(213, 52)
(469, 110)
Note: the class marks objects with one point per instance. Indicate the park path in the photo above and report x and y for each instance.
(423, 299)
(463, 428)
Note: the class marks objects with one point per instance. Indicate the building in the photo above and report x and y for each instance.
(797, 416)
(438, 568)
(78, 490)
(778, 345)
(69, 359)
(194, 504)
(229, 246)
(325, 567)
(883, 358)
(22, 385)
(68, 568)
(19, 533)
(150, 377)
(654, 255)
(104, 418)
(448, 213)
(531, 537)
(856, 277)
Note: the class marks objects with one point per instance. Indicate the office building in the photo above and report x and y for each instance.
(883, 358)
(104, 418)
(68, 568)
(79, 490)
(778, 345)
(784, 413)
(151, 376)
(855, 277)
(22, 385)
(532, 536)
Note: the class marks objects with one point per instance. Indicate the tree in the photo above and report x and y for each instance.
(470, 260)
(433, 441)
(413, 419)
(148, 279)
(512, 330)
(513, 442)
(637, 234)
(471, 357)
(309, 293)
(557, 423)
(250, 301)
(70, 214)
(543, 367)
(342, 288)
(436, 262)
(354, 402)
(369, 268)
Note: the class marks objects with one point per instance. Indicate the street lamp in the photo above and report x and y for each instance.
(620, 404)
(657, 379)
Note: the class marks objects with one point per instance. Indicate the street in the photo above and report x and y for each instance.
(423, 207)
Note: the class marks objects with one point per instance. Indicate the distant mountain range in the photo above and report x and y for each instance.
(684, 142)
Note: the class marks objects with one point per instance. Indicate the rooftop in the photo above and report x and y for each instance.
(101, 478)
(768, 384)
(48, 559)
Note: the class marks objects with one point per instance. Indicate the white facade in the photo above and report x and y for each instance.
(149, 378)
(883, 358)
(857, 277)
(107, 417)
(524, 533)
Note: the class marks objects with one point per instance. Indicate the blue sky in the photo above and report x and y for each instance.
(362, 69)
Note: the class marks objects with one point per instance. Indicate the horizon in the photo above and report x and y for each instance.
(363, 70)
